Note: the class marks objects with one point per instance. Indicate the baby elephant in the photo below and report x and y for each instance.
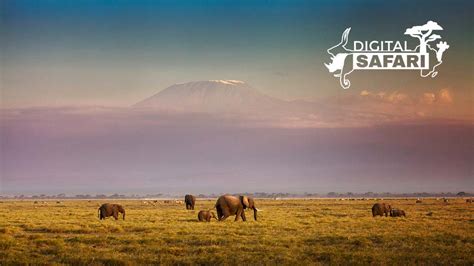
(108, 209)
(205, 216)
(397, 213)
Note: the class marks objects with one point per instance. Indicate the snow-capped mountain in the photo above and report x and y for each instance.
(220, 96)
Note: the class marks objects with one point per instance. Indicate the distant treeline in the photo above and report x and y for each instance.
(255, 195)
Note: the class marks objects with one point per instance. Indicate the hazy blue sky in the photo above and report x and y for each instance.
(119, 52)
(391, 131)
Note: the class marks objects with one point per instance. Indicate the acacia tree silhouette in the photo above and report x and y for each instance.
(423, 33)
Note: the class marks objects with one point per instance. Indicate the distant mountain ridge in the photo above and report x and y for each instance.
(212, 96)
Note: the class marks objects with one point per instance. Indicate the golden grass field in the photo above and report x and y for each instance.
(301, 232)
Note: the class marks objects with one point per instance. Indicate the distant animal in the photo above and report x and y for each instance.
(228, 205)
(205, 216)
(190, 200)
(381, 209)
(397, 213)
(445, 200)
(419, 201)
(36, 202)
(167, 201)
(469, 201)
(108, 209)
(58, 202)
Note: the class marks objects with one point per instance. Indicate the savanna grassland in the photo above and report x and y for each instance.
(302, 232)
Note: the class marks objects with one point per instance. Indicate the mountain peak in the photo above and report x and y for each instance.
(210, 96)
(228, 81)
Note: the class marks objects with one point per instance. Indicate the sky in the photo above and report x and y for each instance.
(119, 52)
(70, 70)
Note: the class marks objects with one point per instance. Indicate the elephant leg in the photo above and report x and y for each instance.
(219, 212)
(243, 216)
(225, 214)
(238, 214)
(115, 215)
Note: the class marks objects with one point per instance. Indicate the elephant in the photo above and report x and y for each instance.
(190, 200)
(228, 205)
(205, 216)
(397, 213)
(469, 201)
(108, 209)
(381, 209)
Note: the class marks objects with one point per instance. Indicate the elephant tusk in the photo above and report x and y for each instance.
(258, 209)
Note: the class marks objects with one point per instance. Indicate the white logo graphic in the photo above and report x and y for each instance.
(392, 55)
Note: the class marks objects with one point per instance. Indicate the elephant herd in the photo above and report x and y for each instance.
(382, 209)
(226, 205)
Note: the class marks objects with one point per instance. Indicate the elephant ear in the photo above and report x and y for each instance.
(245, 201)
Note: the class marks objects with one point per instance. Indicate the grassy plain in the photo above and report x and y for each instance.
(301, 232)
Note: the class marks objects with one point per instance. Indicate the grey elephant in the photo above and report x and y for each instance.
(205, 216)
(190, 200)
(381, 209)
(108, 209)
(228, 205)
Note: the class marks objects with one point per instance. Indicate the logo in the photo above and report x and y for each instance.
(389, 55)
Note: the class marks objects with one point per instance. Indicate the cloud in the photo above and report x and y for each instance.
(364, 109)
(393, 97)
(134, 151)
(445, 96)
(428, 98)
(442, 97)
(400, 107)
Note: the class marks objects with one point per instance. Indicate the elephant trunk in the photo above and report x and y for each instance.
(123, 215)
(255, 213)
